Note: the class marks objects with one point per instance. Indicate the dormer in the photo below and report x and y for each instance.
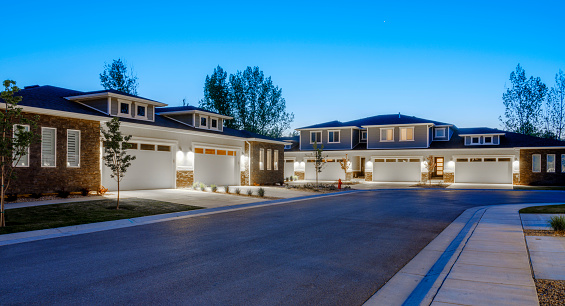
(481, 136)
(115, 103)
(195, 117)
(441, 132)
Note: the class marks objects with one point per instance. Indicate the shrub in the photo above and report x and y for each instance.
(36, 195)
(63, 193)
(249, 192)
(214, 188)
(195, 185)
(84, 191)
(261, 192)
(11, 197)
(237, 191)
(202, 186)
(291, 178)
(286, 179)
(102, 190)
(227, 189)
(558, 224)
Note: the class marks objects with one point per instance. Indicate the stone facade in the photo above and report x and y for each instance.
(368, 176)
(38, 179)
(423, 176)
(348, 176)
(185, 178)
(299, 174)
(542, 178)
(266, 177)
(516, 178)
(448, 177)
(244, 175)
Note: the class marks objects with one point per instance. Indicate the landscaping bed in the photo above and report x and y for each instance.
(547, 209)
(75, 213)
(550, 292)
(542, 233)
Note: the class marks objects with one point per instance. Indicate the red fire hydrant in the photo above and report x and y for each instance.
(339, 184)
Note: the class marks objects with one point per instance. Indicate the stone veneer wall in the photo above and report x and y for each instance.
(368, 176)
(348, 176)
(44, 180)
(448, 177)
(266, 177)
(245, 173)
(299, 174)
(516, 178)
(543, 178)
(185, 178)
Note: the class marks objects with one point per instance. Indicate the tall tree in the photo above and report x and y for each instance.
(115, 152)
(18, 133)
(216, 95)
(319, 159)
(556, 106)
(116, 76)
(523, 103)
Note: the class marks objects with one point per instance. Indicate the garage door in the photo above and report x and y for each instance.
(153, 168)
(215, 166)
(396, 170)
(331, 171)
(486, 170)
(288, 168)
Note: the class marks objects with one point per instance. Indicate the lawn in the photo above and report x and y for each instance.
(59, 215)
(547, 209)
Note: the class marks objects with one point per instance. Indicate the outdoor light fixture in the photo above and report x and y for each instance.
(180, 156)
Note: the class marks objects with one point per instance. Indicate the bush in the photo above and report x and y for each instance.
(202, 186)
(227, 189)
(85, 191)
(102, 190)
(214, 188)
(11, 197)
(195, 185)
(261, 192)
(63, 194)
(558, 224)
(291, 178)
(249, 192)
(36, 195)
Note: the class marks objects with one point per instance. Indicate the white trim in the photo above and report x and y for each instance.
(485, 140)
(215, 146)
(547, 163)
(396, 125)
(94, 108)
(261, 159)
(217, 128)
(361, 135)
(471, 143)
(78, 148)
(54, 147)
(137, 116)
(321, 137)
(200, 122)
(533, 164)
(269, 159)
(338, 133)
(276, 160)
(405, 128)
(124, 115)
(193, 111)
(444, 129)
(115, 95)
(562, 165)
(381, 134)
(149, 140)
(483, 134)
(26, 128)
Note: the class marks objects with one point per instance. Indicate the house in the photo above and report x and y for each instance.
(394, 148)
(174, 146)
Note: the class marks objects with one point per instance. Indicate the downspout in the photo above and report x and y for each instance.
(249, 162)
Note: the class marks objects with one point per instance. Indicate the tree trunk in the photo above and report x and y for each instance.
(118, 202)
(2, 213)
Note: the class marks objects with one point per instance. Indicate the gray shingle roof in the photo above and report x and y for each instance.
(376, 120)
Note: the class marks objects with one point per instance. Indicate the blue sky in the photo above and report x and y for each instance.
(446, 61)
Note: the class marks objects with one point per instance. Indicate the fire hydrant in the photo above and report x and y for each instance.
(339, 184)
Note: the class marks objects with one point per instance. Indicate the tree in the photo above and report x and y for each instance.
(523, 103)
(319, 159)
(344, 163)
(16, 139)
(115, 152)
(117, 77)
(555, 106)
(255, 103)
(430, 166)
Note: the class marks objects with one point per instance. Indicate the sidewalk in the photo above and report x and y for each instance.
(480, 259)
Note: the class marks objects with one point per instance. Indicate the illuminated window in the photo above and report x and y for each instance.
(406, 134)
(387, 134)
(550, 162)
(261, 159)
(536, 163)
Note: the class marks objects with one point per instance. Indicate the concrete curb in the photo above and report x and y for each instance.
(21, 237)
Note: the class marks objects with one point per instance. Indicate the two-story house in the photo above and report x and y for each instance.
(395, 148)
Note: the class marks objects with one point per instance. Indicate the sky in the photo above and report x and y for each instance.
(447, 61)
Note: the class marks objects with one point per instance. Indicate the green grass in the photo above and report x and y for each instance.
(547, 209)
(59, 215)
(539, 187)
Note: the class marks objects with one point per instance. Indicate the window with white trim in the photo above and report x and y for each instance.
(475, 140)
(562, 163)
(287, 147)
(536, 163)
(48, 147)
(550, 162)
(387, 134)
(363, 135)
(440, 132)
(276, 160)
(269, 159)
(316, 137)
(125, 108)
(141, 111)
(261, 159)
(203, 122)
(333, 136)
(407, 134)
(24, 159)
(214, 123)
(73, 148)
(487, 140)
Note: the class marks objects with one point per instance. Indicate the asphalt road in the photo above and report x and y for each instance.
(332, 251)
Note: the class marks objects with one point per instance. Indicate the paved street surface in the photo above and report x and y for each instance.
(335, 250)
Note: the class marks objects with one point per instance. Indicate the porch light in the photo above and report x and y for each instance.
(180, 156)
(190, 155)
(369, 164)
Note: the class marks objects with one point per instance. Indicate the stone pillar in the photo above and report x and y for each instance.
(349, 176)
(368, 176)
(185, 178)
(448, 177)
(516, 178)
(299, 174)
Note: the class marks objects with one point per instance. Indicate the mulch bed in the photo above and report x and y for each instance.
(550, 292)
(542, 233)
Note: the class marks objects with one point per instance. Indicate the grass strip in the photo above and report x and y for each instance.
(547, 209)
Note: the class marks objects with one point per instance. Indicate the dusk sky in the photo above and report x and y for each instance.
(446, 61)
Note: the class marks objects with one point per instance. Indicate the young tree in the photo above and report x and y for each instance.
(117, 77)
(319, 159)
(555, 106)
(344, 163)
(15, 140)
(523, 103)
(216, 95)
(430, 166)
(115, 152)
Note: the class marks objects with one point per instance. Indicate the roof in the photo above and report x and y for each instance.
(390, 119)
(53, 98)
(480, 131)
(329, 124)
(115, 92)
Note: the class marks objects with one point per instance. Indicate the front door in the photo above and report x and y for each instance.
(438, 172)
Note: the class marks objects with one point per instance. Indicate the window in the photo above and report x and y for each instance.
(287, 147)
(141, 111)
(276, 160)
(475, 160)
(488, 140)
(562, 163)
(203, 122)
(221, 152)
(379, 160)
(503, 159)
(475, 140)
(199, 151)
(210, 151)
(333, 136)
(147, 147)
(48, 147)
(214, 123)
(315, 137)
(164, 148)
(24, 159)
(387, 134)
(269, 159)
(124, 108)
(407, 134)
(261, 159)
(550, 162)
(462, 160)
(132, 146)
(364, 135)
(536, 163)
(440, 132)
(489, 159)
(73, 148)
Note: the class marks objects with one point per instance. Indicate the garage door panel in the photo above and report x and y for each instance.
(214, 169)
(483, 172)
(396, 172)
(330, 172)
(288, 169)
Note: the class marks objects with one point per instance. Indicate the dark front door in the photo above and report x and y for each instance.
(438, 172)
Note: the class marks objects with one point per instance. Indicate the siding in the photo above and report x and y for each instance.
(344, 140)
(114, 106)
(100, 104)
(187, 118)
(150, 111)
(356, 136)
(420, 138)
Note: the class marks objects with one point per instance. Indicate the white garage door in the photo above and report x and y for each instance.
(484, 170)
(331, 171)
(288, 168)
(215, 166)
(153, 168)
(396, 170)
